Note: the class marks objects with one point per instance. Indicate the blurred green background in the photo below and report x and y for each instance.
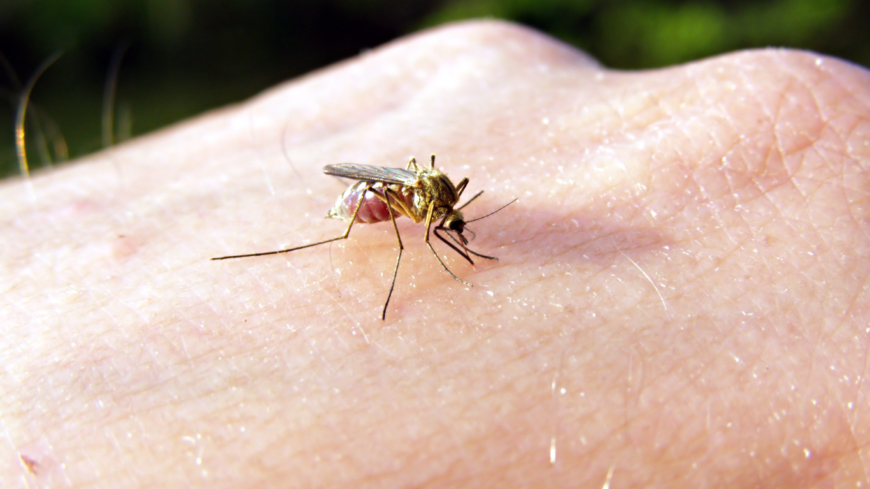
(182, 57)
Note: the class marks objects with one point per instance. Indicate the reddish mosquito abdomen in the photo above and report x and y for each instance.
(373, 208)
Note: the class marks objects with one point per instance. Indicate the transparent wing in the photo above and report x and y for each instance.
(368, 173)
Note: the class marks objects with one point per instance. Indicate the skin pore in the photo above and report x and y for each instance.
(681, 296)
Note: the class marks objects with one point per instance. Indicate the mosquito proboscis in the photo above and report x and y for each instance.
(416, 192)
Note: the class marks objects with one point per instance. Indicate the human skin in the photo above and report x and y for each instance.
(681, 296)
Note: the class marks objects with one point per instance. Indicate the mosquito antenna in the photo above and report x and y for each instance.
(491, 213)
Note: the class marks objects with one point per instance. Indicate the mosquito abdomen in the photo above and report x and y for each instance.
(373, 208)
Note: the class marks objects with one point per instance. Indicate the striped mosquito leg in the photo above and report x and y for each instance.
(387, 194)
(276, 252)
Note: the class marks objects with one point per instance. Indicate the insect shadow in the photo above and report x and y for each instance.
(416, 192)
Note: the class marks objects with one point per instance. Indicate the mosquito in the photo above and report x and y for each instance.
(416, 192)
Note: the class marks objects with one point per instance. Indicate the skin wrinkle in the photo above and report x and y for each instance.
(860, 402)
(856, 446)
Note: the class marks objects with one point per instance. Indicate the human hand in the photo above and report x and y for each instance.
(680, 301)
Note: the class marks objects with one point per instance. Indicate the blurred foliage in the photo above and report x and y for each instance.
(186, 56)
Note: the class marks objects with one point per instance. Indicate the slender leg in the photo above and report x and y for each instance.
(397, 205)
(387, 193)
(448, 243)
(428, 224)
(343, 236)
(469, 200)
(461, 188)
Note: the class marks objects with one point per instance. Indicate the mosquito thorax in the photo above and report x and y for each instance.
(438, 187)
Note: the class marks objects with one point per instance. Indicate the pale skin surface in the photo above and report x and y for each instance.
(681, 301)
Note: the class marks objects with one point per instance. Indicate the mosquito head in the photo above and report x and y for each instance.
(455, 222)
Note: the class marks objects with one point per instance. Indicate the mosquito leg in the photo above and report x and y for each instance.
(448, 243)
(460, 187)
(397, 205)
(469, 200)
(457, 242)
(412, 162)
(276, 252)
(428, 224)
(482, 256)
(387, 193)
(445, 266)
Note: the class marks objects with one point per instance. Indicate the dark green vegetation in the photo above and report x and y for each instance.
(186, 56)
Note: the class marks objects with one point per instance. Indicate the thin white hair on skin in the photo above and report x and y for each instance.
(20, 146)
(110, 91)
(656, 287)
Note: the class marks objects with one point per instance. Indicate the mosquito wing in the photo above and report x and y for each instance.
(368, 173)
